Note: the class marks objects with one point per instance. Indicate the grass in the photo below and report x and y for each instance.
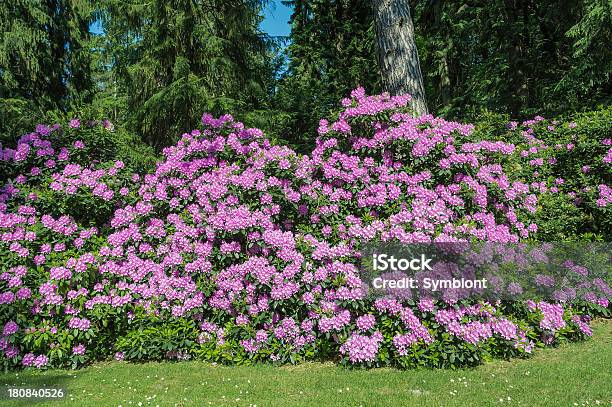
(573, 374)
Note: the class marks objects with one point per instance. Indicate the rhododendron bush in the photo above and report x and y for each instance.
(236, 250)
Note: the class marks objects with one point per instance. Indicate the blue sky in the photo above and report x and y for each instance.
(275, 23)
(276, 19)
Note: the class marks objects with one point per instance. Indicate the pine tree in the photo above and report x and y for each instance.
(44, 54)
(331, 52)
(522, 57)
(175, 59)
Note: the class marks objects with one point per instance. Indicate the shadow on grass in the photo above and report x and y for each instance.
(35, 381)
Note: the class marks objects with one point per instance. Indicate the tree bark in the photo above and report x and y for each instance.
(397, 52)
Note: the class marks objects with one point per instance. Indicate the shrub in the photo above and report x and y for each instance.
(568, 163)
(237, 250)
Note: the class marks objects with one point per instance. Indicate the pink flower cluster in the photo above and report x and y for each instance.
(482, 323)
(362, 348)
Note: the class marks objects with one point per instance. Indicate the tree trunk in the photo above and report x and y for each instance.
(397, 52)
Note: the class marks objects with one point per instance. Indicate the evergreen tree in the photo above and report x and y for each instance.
(514, 56)
(332, 51)
(591, 52)
(521, 57)
(44, 52)
(172, 60)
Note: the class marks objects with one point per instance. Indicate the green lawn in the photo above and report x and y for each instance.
(574, 374)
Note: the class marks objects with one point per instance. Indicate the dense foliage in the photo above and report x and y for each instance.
(574, 155)
(169, 61)
(519, 57)
(332, 51)
(151, 67)
(44, 54)
(516, 57)
(236, 250)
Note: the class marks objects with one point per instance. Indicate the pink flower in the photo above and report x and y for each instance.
(365, 322)
(361, 348)
(79, 349)
(41, 361)
(10, 328)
